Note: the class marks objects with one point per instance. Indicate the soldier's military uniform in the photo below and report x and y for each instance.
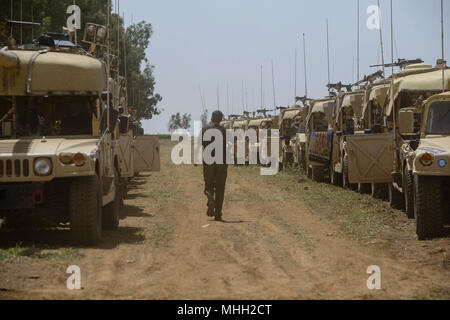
(215, 175)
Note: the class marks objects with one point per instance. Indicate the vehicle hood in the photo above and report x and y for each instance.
(435, 144)
(48, 146)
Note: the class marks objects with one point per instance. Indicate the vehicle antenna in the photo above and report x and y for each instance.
(295, 74)
(108, 61)
(201, 98)
(32, 26)
(118, 41)
(304, 62)
(273, 86)
(381, 40)
(443, 46)
(243, 97)
(394, 112)
(358, 43)
(12, 17)
(328, 54)
(262, 101)
(228, 100)
(218, 95)
(21, 19)
(76, 36)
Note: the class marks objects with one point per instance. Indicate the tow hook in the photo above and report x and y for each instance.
(38, 197)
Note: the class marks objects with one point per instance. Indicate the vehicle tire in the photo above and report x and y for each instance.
(364, 188)
(408, 191)
(111, 212)
(85, 210)
(396, 198)
(345, 182)
(428, 208)
(309, 172)
(303, 159)
(380, 191)
(317, 174)
(336, 178)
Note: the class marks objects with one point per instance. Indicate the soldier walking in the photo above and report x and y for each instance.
(215, 175)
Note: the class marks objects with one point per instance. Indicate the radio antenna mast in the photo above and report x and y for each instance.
(358, 43)
(262, 102)
(228, 100)
(304, 62)
(273, 87)
(108, 62)
(328, 54)
(443, 47)
(295, 75)
(381, 40)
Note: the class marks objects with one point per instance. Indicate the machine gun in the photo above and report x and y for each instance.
(303, 100)
(281, 108)
(402, 63)
(5, 24)
(338, 87)
(264, 112)
(370, 78)
(234, 116)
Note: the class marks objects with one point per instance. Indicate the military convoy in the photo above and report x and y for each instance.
(66, 144)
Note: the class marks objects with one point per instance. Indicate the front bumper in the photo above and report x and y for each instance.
(17, 196)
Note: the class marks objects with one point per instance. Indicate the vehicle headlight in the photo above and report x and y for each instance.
(101, 33)
(43, 167)
(426, 159)
(91, 31)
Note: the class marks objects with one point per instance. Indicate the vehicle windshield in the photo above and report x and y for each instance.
(439, 118)
(46, 116)
(320, 122)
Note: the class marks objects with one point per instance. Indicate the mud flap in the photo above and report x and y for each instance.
(146, 154)
(371, 158)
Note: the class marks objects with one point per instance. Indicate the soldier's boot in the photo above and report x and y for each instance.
(211, 204)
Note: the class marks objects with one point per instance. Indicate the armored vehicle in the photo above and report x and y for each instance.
(345, 113)
(319, 141)
(379, 156)
(241, 124)
(59, 137)
(428, 160)
(288, 132)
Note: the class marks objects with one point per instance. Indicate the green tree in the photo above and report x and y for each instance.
(179, 122)
(134, 42)
(204, 118)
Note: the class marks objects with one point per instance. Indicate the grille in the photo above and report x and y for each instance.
(14, 168)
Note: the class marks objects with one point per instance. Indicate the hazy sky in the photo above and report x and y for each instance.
(210, 43)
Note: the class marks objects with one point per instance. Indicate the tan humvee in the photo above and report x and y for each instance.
(268, 123)
(378, 157)
(346, 115)
(428, 160)
(318, 139)
(227, 124)
(57, 155)
(241, 124)
(288, 134)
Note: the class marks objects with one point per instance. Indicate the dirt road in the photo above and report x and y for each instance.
(285, 238)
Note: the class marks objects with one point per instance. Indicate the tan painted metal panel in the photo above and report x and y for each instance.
(370, 158)
(147, 154)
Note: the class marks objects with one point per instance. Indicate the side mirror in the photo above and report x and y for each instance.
(406, 121)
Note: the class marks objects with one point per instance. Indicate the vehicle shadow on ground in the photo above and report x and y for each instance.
(61, 238)
(133, 211)
(135, 196)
